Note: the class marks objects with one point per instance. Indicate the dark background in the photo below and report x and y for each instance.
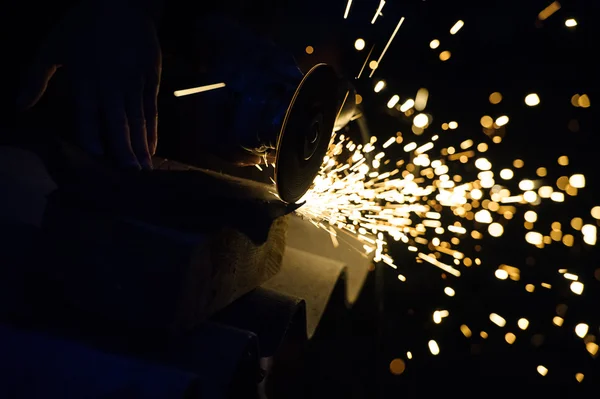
(500, 48)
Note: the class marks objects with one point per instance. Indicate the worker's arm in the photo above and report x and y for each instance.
(110, 52)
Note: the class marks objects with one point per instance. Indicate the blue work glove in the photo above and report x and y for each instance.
(263, 76)
(110, 52)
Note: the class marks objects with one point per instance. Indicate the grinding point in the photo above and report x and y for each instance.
(306, 132)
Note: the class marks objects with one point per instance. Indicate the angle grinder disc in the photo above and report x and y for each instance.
(306, 132)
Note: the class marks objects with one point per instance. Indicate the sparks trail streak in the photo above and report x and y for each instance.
(347, 9)
(200, 89)
(387, 45)
(366, 61)
(423, 201)
(378, 12)
(354, 196)
(419, 201)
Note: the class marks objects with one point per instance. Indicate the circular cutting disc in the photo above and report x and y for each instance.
(306, 132)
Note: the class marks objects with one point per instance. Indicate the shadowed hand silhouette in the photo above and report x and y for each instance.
(111, 56)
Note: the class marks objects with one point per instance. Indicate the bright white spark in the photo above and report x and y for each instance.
(347, 9)
(200, 89)
(388, 44)
(459, 24)
(378, 12)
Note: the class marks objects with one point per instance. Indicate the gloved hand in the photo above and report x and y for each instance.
(112, 57)
(262, 76)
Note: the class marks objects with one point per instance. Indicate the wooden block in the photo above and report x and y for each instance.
(160, 250)
(238, 266)
(150, 277)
